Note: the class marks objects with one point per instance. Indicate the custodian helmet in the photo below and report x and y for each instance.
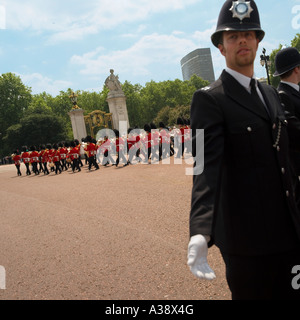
(238, 15)
(286, 59)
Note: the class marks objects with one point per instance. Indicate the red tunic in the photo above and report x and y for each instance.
(56, 156)
(17, 160)
(130, 142)
(34, 157)
(119, 144)
(155, 138)
(26, 157)
(91, 149)
(147, 140)
(63, 153)
(182, 134)
(50, 155)
(44, 155)
(164, 136)
(105, 146)
(74, 153)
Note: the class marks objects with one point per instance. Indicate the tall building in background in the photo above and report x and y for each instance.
(198, 62)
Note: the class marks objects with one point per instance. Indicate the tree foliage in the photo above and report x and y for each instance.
(35, 129)
(15, 99)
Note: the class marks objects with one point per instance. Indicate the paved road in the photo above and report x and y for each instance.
(115, 233)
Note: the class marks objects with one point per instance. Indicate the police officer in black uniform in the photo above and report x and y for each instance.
(243, 200)
(287, 63)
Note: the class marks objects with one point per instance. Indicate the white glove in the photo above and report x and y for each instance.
(197, 258)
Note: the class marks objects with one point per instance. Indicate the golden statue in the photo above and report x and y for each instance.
(74, 98)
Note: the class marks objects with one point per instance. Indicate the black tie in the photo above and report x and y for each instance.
(255, 95)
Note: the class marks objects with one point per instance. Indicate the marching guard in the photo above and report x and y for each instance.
(120, 147)
(16, 157)
(133, 145)
(155, 142)
(91, 150)
(63, 151)
(105, 148)
(147, 143)
(74, 155)
(44, 159)
(34, 160)
(56, 159)
(165, 141)
(26, 159)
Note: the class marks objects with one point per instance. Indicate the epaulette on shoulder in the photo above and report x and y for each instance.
(205, 88)
(211, 86)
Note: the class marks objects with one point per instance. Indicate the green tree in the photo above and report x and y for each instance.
(40, 104)
(36, 129)
(179, 111)
(91, 101)
(198, 82)
(15, 99)
(163, 116)
(61, 104)
(58, 106)
(177, 96)
(158, 95)
(296, 41)
(153, 99)
(136, 112)
(169, 115)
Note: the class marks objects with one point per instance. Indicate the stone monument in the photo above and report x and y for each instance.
(77, 119)
(116, 101)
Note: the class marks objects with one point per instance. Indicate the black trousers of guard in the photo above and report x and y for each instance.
(267, 277)
(27, 169)
(120, 155)
(75, 165)
(35, 168)
(107, 158)
(46, 171)
(18, 170)
(57, 167)
(63, 163)
(92, 161)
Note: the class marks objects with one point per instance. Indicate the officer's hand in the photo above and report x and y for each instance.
(197, 258)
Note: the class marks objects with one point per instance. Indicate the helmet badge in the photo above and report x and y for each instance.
(241, 9)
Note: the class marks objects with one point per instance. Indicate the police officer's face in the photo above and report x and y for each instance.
(239, 49)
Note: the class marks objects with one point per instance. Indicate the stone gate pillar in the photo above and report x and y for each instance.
(78, 124)
(116, 101)
(77, 119)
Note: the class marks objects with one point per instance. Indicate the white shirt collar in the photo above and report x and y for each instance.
(293, 85)
(243, 80)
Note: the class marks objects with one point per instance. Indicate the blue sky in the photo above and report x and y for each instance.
(54, 45)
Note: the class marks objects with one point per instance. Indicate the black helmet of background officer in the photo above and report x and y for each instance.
(238, 15)
(286, 60)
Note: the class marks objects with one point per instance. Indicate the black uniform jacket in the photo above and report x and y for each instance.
(244, 199)
(290, 98)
